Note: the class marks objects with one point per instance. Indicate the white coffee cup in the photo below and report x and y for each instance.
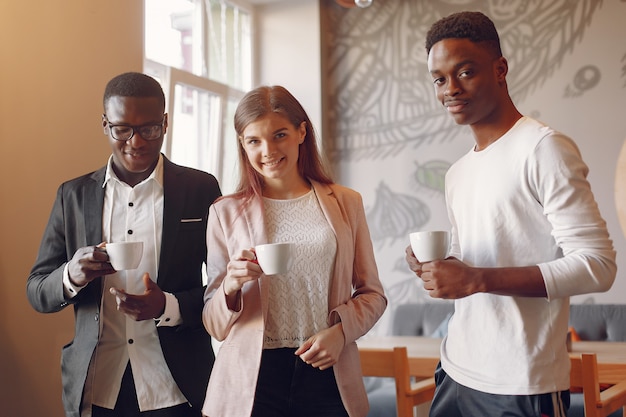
(430, 245)
(275, 258)
(124, 255)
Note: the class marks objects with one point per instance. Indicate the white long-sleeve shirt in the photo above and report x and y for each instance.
(523, 201)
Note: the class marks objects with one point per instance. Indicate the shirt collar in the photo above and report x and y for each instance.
(156, 174)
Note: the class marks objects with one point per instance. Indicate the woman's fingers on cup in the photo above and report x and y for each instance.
(244, 268)
(238, 273)
(248, 255)
(252, 256)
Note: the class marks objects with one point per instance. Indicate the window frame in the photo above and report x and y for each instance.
(170, 77)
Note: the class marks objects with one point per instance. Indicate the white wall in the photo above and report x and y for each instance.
(288, 36)
(56, 59)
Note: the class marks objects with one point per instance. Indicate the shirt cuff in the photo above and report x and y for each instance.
(171, 315)
(69, 289)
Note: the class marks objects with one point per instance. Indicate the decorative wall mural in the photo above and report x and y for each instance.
(406, 290)
(394, 142)
(394, 214)
(431, 175)
(585, 79)
(381, 100)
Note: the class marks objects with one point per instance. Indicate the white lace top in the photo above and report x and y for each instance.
(298, 302)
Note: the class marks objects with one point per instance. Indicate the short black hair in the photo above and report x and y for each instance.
(474, 26)
(133, 84)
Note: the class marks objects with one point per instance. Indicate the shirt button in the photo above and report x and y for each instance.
(130, 232)
(131, 341)
(96, 317)
(131, 204)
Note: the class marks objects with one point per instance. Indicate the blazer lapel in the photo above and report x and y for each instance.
(255, 217)
(254, 213)
(330, 208)
(173, 198)
(93, 203)
(335, 217)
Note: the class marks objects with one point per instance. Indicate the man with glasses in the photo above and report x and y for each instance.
(139, 347)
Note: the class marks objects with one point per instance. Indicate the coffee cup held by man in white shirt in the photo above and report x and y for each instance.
(124, 255)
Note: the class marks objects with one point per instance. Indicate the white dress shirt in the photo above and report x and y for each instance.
(138, 214)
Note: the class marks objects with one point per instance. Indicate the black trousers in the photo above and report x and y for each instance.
(288, 387)
(127, 406)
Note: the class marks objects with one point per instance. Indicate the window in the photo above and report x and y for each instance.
(200, 51)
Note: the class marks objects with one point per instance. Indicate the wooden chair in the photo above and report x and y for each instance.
(586, 375)
(411, 388)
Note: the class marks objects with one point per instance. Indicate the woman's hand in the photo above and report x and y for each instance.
(241, 269)
(322, 350)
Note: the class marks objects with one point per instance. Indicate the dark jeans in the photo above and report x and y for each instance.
(455, 400)
(288, 387)
(127, 406)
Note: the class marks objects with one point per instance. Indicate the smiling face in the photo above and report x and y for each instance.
(272, 146)
(134, 159)
(469, 80)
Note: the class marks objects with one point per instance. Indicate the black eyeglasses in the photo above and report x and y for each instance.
(123, 133)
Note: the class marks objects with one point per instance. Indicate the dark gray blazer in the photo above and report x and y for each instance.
(76, 221)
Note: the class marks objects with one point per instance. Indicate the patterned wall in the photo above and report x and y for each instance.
(393, 142)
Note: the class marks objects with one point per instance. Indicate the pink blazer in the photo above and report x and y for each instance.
(231, 228)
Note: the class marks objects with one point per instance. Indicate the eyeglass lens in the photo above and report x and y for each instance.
(150, 132)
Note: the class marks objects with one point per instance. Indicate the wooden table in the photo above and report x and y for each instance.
(611, 358)
(424, 354)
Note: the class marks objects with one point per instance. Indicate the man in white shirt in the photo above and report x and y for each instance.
(139, 347)
(526, 235)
